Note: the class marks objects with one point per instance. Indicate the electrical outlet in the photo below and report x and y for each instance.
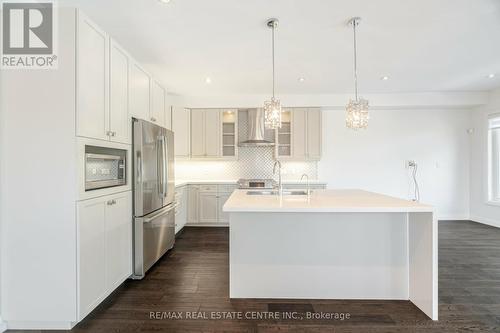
(410, 164)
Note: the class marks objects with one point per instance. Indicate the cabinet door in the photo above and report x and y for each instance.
(168, 116)
(181, 127)
(299, 126)
(208, 207)
(118, 239)
(181, 209)
(314, 133)
(91, 248)
(140, 84)
(223, 217)
(212, 133)
(158, 104)
(193, 202)
(198, 133)
(284, 139)
(120, 125)
(92, 80)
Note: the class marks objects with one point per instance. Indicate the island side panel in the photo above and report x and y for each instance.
(423, 262)
(319, 255)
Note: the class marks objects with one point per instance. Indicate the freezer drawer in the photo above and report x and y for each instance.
(154, 235)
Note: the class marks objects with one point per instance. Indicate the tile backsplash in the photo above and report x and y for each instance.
(253, 162)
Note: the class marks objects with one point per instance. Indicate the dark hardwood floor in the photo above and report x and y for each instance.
(194, 278)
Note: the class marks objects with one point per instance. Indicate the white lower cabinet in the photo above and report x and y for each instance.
(223, 217)
(206, 202)
(208, 207)
(181, 210)
(104, 248)
(193, 196)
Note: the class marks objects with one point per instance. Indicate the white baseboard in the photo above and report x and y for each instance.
(3, 326)
(487, 221)
(453, 217)
(207, 224)
(40, 325)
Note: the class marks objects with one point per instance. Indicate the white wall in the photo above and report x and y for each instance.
(481, 211)
(373, 159)
(38, 193)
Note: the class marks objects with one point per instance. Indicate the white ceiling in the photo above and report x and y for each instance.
(422, 45)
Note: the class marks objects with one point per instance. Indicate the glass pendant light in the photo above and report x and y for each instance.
(272, 108)
(357, 115)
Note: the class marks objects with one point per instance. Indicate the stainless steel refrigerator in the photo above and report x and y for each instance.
(154, 193)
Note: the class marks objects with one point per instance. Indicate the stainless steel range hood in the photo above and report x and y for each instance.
(256, 130)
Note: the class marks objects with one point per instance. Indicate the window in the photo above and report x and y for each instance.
(494, 158)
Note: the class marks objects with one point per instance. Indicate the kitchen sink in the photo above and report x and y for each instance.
(273, 192)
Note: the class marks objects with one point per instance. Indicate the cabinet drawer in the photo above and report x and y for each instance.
(229, 188)
(208, 188)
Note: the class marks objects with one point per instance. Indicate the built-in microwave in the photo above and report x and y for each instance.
(104, 167)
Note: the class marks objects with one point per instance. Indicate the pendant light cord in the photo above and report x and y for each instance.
(274, 27)
(354, 24)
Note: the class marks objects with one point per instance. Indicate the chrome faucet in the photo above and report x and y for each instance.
(307, 183)
(280, 186)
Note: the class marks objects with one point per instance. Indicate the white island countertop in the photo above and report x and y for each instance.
(323, 201)
(183, 182)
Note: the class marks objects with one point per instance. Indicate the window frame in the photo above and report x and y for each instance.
(493, 161)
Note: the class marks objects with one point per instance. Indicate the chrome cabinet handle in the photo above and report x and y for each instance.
(153, 119)
(111, 202)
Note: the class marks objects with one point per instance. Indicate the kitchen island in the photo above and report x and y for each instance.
(332, 244)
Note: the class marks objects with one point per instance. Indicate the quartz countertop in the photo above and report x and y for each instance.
(183, 182)
(338, 201)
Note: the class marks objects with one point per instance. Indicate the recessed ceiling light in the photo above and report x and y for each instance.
(208, 80)
(491, 76)
(301, 79)
(384, 78)
(164, 1)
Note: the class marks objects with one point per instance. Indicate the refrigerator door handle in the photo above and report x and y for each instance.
(159, 165)
(138, 168)
(165, 177)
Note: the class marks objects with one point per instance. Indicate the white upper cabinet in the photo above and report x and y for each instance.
(299, 137)
(119, 120)
(158, 104)
(229, 133)
(314, 134)
(140, 86)
(112, 88)
(181, 127)
(299, 127)
(197, 133)
(168, 112)
(212, 133)
(205, 133)
(92, 80)
(283, 139)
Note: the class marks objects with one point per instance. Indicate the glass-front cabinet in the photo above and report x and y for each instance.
(229, 133)
(284, 135)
